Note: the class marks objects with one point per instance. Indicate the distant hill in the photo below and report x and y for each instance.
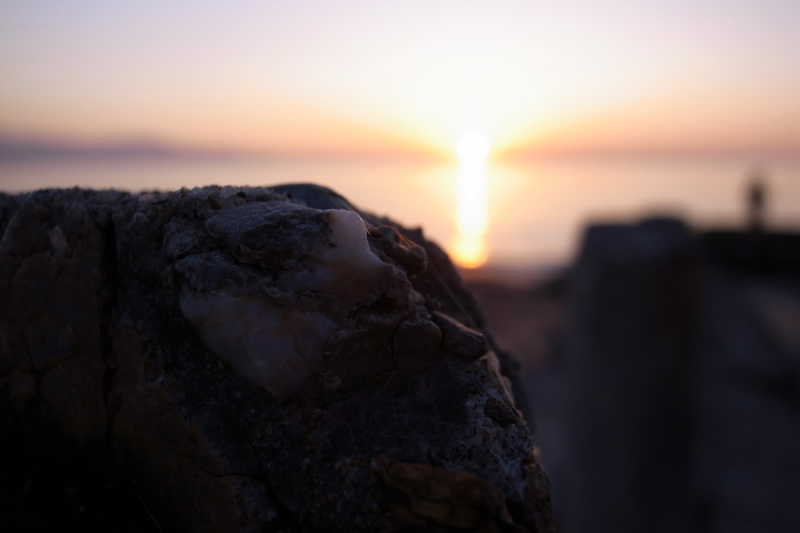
(24, 148)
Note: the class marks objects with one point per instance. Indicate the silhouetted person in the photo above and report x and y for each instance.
(756, 202)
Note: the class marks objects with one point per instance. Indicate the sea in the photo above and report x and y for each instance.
(530, 213)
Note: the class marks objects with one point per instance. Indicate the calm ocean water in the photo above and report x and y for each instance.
(536, 210)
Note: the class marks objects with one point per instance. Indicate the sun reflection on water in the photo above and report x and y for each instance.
(472, 218)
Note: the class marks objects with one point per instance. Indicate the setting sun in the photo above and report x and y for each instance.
(473, 147)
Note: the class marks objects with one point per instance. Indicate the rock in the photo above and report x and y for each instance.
(459, 340)
(433, 497)
(251, 359)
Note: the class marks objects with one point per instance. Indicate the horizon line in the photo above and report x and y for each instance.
(39, 146)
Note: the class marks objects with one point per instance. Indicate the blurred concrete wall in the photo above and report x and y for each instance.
(682, 368)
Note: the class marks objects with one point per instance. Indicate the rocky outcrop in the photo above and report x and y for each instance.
(257, 358)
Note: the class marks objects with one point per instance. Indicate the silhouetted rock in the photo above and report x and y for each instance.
(250, 359)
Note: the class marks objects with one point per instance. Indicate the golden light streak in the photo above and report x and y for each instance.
(470, 253)
(472, 218)
(473, 210)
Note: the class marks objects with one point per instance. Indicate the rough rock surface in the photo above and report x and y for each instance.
(251, 359)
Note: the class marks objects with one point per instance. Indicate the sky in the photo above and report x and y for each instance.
(355, 76)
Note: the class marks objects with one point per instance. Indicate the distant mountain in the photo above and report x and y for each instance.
(24, 148)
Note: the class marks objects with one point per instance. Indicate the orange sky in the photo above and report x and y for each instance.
(358, 76)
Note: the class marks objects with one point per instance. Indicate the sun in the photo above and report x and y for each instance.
(473, 147)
